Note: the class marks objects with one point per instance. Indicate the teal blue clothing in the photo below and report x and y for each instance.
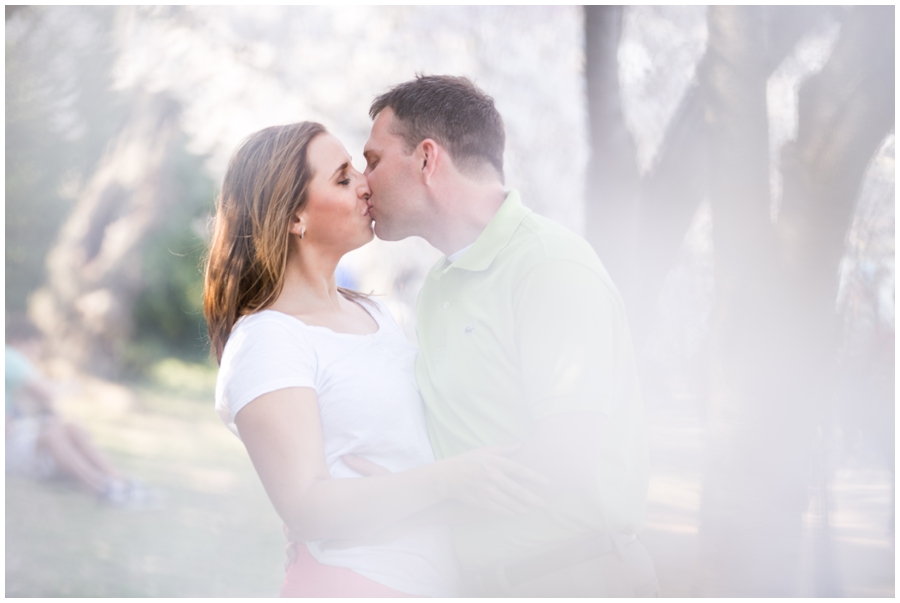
(18, 371)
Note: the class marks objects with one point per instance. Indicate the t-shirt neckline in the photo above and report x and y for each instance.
(332, 331)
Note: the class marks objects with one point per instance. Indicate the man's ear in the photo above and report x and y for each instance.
(430, 154)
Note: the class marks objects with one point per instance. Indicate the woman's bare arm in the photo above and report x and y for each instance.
(283, 435)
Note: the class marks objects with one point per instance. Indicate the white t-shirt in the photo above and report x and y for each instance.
(369, 405)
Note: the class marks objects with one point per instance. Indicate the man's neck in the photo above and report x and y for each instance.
(465, 215)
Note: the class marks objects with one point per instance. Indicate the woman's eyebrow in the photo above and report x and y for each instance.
(343, 167)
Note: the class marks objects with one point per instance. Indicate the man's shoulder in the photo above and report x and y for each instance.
(539, 240)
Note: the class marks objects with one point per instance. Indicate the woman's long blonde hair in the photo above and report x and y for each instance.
(265, 185)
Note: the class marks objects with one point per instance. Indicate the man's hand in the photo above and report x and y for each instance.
(483, 478)
(364, 467)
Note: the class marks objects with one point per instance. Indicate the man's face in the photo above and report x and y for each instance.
(397, 201)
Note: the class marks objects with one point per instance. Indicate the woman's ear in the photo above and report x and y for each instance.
(298, 224)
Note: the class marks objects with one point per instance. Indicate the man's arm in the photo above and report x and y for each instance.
(567, 448)
(579, 374)
(563, 448)
(283, 436)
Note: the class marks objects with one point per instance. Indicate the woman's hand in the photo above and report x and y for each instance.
(484, 478)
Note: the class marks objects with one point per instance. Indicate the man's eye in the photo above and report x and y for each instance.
(344, 182)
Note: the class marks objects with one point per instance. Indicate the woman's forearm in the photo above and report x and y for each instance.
(357, 507)
(467, 488)
(282, 433)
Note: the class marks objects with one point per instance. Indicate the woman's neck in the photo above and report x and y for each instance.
(309, 283)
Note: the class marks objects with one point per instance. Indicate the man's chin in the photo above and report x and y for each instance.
(385, 234)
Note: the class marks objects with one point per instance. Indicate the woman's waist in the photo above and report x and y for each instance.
(422, 555)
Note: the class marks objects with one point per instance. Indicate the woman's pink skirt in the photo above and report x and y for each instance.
(306, 577)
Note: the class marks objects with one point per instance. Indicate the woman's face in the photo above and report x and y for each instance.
(336, 215)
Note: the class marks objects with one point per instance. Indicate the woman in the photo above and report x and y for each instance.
(311, 373)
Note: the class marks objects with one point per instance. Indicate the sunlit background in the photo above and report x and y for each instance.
(747, 217)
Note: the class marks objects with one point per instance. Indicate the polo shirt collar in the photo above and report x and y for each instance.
(495, 236)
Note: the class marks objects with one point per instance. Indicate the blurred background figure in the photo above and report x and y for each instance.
(40, 443)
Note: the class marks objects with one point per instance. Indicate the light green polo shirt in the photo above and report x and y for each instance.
(527, 324)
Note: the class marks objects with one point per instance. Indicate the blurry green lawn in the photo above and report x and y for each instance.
(214, 532)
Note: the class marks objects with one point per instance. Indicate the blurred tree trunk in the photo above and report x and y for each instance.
(776, 324)
(671, 191)
(637, 224)
(753, 489)
(94, 268)
(612, 174)
(774, 336)
(845, 113)
(669, 196)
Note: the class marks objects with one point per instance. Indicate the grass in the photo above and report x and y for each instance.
(216, 535)
(214, 532)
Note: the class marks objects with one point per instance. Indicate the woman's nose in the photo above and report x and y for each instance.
(363, 191)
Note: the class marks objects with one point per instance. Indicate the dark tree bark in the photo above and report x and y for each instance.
(774, 337)
(612, 181)
(94, 269)
(747, 543)
(786, 24)
(845, 113)
(776, 324)
(668, 196)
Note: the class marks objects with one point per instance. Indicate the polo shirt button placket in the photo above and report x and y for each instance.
(445, 318)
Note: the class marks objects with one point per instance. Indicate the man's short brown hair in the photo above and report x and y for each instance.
(452, 111)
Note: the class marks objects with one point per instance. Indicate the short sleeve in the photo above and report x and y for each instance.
(262, 355)
(569, 329)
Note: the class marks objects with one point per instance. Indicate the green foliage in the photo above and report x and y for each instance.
(175, 375)
(60, 113)
(168, 313)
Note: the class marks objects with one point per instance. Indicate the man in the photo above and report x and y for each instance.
(522, 338)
